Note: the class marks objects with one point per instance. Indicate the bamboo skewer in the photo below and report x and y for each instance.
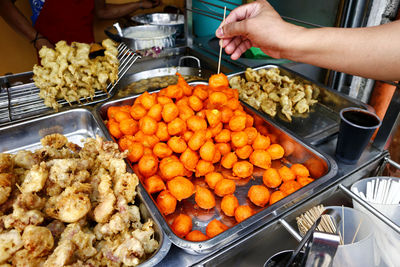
(220, 45)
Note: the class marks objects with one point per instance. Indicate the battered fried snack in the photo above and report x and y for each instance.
(71, 207)
(268, 90)
(68, 73)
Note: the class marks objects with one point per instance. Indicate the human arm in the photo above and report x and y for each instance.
(369, 52)
(11, 14)
(113, 11)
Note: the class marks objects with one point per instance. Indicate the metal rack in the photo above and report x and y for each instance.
(21, 100)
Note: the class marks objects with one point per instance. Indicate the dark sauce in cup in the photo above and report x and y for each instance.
(361, 118)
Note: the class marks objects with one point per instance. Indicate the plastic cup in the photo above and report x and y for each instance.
(355, 131)
(358, 248)
(386, 239)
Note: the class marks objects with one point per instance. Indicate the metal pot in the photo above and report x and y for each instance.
(165, 20)
(143, 37)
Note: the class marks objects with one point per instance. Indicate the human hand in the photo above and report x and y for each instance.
(255, 24)
(43, 42)
(150, 4)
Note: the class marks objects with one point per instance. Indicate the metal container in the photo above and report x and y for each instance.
(166, 20)
(322, 121)
(76, 125)
(302, 153)
(144, 37)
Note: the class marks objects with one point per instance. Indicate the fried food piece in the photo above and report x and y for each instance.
(195, 103)
(229, 160)
(215, 227)
(276, 196)
(207, 151)
(196, 123)
(6, 182)
(170, 112)
(137, 111)
(197, 140)
(259, 195)
(129, 127)
(147, 100)
(237, 123)
(251, 134)
(289, 187)
(260, 158)
(244, 152)
(148, 165)
(180, 188)
(229, 204)
(113, 128)
(204, 198)
(242, 169)
(155, 112)
(303, 181)
(196, 236)
(136, 151)
(148, 125)
(189, 158)
(10, 242)
(162, 150)
(182, 225)
(224, 187)
(177, 126)
(300, 170)
(166, 202)
(121, 115)
(286, 174)
(218, 99)
(239, 139)
(224, 148)
(212, 178)
(203, 167)
(213, 117)
(171, 169)
(243, 212)
(162, 132)
(223, 137)
(38, 240)
(261, 142)
(154, 184)
(271, 178)
(276, 151)
(217, 80)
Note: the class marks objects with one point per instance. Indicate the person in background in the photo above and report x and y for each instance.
(69, 20)
(371, 52)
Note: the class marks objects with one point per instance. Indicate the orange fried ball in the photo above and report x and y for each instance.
(213, 117)
(197, 140)
(237, 123)
(169, 112)
(224, 136)
(207, 151)
(148, 165)
(229, 204)
(226, 114)
(185, 112)
(203, 167)
(225, 187)
(128, 126)
(177, 144)
(289, 187)
(213, 178)
(147, 100)
(164, 100)
(136, 151)
(276, 196)
(244, 152)
(261, 142)
(276, 151)
(189, 158)
(224, 148)
(182, 225)
(259, 195)
(172, 169)
(303, 181)
(286, 174)
(195, 103)
(204, 198)
(217, 80)
(138, 111)
(242, 169)
(166, 202)
(239, 139)
(176, 126)
(196, 236)
(180, 187)
(154, 184)
(162, 131)
(300, 170)
(251, 134)
(218, 98)
(148, 125)
(121, 115)
(201, 91)
(260, 158)
(155, 112)
(271, 178)
(196, 123)
(229, 160)
(113, 127)
(243, 212)
(215, 227)
(162, 150)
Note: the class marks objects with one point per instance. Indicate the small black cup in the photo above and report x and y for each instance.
(356, 128)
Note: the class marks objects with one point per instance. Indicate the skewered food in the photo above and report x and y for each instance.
(72, 206)
(67, 72)
(268, 90)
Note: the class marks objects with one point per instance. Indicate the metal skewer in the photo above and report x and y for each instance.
(220, 45)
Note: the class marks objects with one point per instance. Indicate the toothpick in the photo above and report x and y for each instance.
(358, 228)
(220, 45)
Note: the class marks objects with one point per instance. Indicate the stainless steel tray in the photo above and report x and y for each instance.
(322, 122)
(263, 216)
(76, 125)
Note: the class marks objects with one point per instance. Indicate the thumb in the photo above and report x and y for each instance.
(233, 29)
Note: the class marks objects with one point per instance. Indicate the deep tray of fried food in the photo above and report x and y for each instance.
(64, 204)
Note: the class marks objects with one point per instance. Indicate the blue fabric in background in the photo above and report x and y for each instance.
(36, 6)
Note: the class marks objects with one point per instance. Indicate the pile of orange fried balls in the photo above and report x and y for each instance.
(183, 133)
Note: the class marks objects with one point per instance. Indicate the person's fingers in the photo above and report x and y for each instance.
(240, 49)
(231, 47)
(225, 42)
(233, 29)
